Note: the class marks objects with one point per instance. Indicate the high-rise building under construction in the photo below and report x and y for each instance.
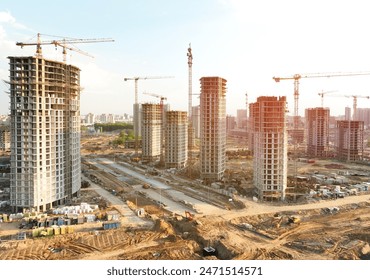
(317, 122)
(350, 140)
(212, 128)
(45, 132)
(176, 139)
(269, 132)
(151, 131)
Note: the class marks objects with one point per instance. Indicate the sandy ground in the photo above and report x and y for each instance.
(326, 229)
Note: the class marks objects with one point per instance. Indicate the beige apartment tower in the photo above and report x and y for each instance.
(270, 140)
(151, 131)
(176, 139)
(212, 128)
(45, 133)
(350, 140)
(317, 122)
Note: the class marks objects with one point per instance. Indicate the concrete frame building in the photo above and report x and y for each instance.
(270, 164)
(241, 118)
(350, 140)
(4, 138)
(176, 136)
(196, 121)
(90, 118)
(212, 128)
(317, 122)
(45, 133)
(151, 131)
(230, 124)
(363, 114)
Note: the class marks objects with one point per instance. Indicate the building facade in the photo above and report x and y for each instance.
(212, 128)
(363, 114)
(317, 122)
(176, 145)
(45, 133)
(350, 140)
(151, 131)
(241, 118)
(4, 138)
(230, 124)
(270, 140)
(196, 121)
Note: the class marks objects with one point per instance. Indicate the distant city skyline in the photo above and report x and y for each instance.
(245, 42)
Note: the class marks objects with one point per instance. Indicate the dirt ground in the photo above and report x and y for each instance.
(330, 230)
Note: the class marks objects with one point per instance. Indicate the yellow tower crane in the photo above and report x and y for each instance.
(64, 42)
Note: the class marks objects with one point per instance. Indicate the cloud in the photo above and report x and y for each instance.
(7, 18)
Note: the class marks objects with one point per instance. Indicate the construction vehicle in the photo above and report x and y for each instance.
(189, 216)
(294, 220)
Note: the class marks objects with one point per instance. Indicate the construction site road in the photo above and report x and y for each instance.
(130, 219)
(173, 200)
(258, 208)
(252, 207)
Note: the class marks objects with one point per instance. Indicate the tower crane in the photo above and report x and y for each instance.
(162, 98)
(322, 93)
(136, 79)
(136, 105)
(297, 77)
(354, 114)
(64, 43)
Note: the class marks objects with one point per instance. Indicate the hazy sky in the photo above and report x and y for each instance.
(245, 42)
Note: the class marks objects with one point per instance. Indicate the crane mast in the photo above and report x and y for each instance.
(190, 99)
